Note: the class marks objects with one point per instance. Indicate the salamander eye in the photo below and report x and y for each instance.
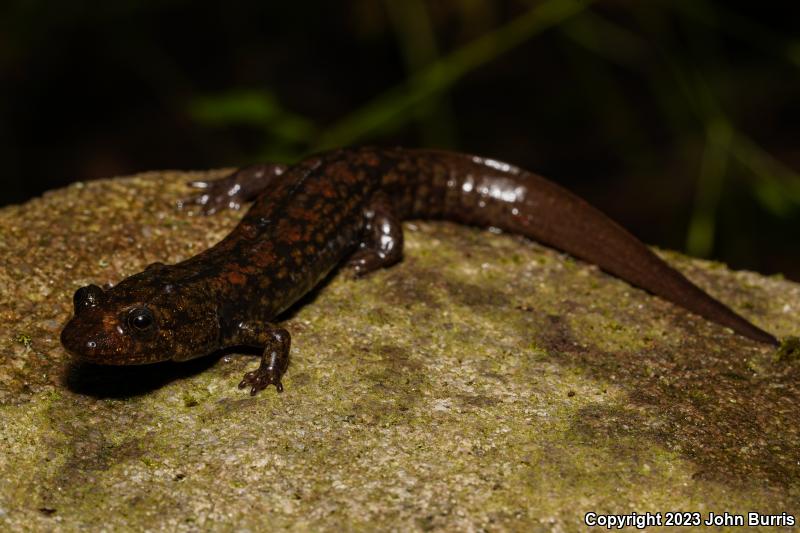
(88, 296)
(140, 319)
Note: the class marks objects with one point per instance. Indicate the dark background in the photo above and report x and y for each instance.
(680, 118)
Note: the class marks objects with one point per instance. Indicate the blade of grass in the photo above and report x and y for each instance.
(252, 107)
(613, 43)
(702, 224)
(777, 186)
(417, 43)
(395, 105)
(603, 95)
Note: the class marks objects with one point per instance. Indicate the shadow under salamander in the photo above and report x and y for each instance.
(125, 381)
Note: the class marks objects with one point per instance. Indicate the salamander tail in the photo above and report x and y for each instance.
(487, 193)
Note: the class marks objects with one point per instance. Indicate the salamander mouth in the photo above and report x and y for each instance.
(83, 343)
(87, 343)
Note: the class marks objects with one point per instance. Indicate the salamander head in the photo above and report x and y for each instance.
(141, 320)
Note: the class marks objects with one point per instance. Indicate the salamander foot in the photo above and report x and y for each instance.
(231, 191)
(261, 379)
(274, 360)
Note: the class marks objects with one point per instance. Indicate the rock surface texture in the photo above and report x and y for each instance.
(485, 383)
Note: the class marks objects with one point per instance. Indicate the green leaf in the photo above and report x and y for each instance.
(236, 107)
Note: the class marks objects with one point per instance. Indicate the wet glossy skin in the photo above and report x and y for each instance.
(343, 205)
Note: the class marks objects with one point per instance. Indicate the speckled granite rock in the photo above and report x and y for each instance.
(486, 383)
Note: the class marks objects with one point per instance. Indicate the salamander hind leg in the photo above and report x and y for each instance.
(274, 358)
(231, 191)
(382, 245)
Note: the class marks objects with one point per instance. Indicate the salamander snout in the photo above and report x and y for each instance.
(81, 341)
(104, 330)
(76, 343)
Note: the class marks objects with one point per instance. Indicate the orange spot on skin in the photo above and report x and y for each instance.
(236, 278)
(321, 188)
(293, 234)
(371, 159)
(302, 213)
(263, 259)
(328, 192)
(262, 254)
(109, 322)
(288, 231)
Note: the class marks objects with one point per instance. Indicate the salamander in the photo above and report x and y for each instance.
(343, 206)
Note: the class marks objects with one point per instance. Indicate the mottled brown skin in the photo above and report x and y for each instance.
(344, 204)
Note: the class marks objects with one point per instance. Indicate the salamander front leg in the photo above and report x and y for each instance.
(274, 359)
(383, 240)
(234, 189)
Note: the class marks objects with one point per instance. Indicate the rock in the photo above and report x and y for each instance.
(486, 382)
